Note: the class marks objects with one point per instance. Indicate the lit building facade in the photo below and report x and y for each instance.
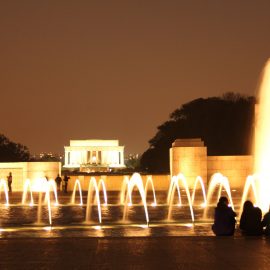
(94, 155)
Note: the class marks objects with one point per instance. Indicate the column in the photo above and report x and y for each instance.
(121, 158)
(90, 161)
(66, 157)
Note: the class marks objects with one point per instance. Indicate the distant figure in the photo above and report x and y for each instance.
(224, 223)
(9, 180)
(66, 178)
(47, 178)
(58, 181)
(250, 221)
(266, 223)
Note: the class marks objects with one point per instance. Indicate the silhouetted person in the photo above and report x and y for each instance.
(9, 180)
(58, 181)
(224, 223)
(66, 178)
(266, 223)
(251, 220)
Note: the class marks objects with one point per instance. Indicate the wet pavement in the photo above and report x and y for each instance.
(136, 253)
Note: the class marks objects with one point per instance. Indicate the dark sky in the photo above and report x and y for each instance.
(117, 69)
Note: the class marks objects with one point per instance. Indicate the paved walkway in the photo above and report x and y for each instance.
(136, 253)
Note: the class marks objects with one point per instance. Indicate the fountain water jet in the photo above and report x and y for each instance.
(102, 185)
(124, 191)
(149, 181)
(250, 184)
(45, 187)
(26, 187)
(172, 184)
(51, 184)
(199, 180)
(77, 184)
(262, 142)
(91, 188)
(175, 185)
(218, 180)
(136, 181)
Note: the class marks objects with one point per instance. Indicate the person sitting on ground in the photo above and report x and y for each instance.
(266, 223)
(224, 222)
(250, 221)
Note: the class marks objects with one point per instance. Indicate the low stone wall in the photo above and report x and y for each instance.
(235, 168)
(28, 170)
(114, 182)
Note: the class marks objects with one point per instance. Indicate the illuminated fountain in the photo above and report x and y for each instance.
(218, 181)
(3, 185)
(124, 192)
(175, 185)
(93, 187)
(102, 185)
(41, 185)
(178, 197)
(262, 140)
(135, 181)
(51, 185)
(27, 188)
(249, 185)
(149, 181)
(77, 184)
(169, 195)
(200, 181)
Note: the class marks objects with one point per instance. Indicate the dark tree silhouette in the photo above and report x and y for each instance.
(225, 124)
(11, 151)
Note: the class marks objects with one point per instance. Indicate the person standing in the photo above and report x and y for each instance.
(66, 178)
(9, 180)
(58, 181)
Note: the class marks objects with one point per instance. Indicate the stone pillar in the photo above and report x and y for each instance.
(90, 161)
(121, 158)
(66, 157)
(189, 157)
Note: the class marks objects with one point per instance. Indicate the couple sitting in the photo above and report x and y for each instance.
(250, 222)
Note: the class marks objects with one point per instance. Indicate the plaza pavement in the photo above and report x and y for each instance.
(136, 253)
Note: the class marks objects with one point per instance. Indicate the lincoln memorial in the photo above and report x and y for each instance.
(94, 155)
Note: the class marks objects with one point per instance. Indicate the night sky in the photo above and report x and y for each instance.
(117, 69)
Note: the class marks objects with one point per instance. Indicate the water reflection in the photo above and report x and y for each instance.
(17, 220)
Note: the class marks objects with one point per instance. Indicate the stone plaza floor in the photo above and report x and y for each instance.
(136, 253)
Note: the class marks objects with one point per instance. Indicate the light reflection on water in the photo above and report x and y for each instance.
(132, 230)
(69, 220)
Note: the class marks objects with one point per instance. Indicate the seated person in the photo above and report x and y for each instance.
(266, 223)
(250, 221)
(224, 222)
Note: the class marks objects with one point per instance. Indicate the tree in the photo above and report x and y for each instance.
(133, 162)
(47, 157)
(11, 151)
(225, 124)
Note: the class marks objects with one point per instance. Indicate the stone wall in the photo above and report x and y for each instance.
(28, 170)
(235, 168)
(114, 182)
(189, 156)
